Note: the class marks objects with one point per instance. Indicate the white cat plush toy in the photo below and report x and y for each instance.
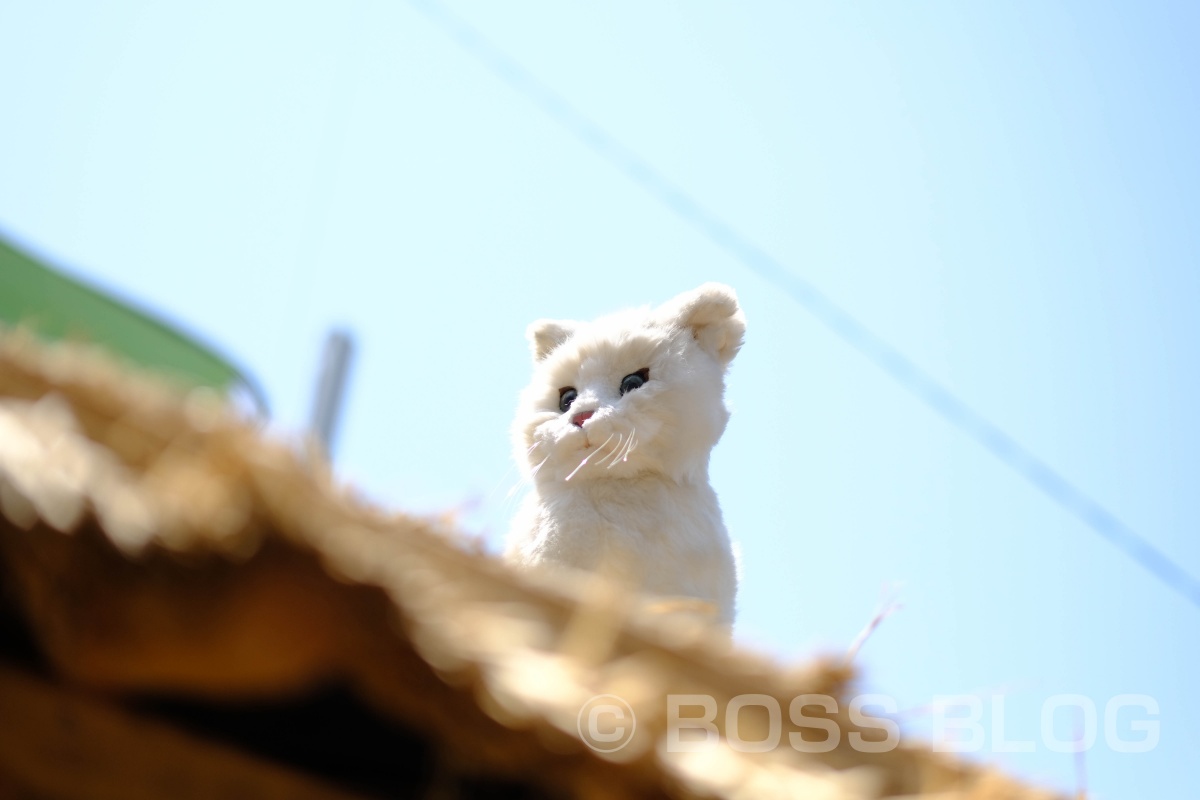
(614, 435)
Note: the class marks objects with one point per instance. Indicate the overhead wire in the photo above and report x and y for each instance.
(902, 369)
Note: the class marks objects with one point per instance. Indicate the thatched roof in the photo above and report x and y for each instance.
(192, 609)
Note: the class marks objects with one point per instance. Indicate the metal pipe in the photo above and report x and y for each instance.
(331, 387)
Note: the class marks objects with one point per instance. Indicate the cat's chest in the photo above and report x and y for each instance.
(666, 540)
(650, 512)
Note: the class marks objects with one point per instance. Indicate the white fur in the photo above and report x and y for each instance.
(627, 493)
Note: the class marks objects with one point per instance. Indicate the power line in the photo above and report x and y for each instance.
(898, 366)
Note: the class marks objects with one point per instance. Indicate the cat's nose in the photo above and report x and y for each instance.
(581, 417)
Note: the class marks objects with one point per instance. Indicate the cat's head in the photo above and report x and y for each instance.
(638, 391)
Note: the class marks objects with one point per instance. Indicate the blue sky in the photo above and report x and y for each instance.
(1007, 194)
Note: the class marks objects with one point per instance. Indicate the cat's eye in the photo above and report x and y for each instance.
(634, 380)
(566, 396)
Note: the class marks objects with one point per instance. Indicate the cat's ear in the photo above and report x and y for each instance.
(547, 334)
(716, 320)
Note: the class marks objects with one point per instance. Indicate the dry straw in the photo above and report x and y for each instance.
(154, 543)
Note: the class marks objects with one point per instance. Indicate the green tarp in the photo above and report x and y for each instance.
(55, 306)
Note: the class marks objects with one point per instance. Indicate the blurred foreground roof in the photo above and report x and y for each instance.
(191, 609)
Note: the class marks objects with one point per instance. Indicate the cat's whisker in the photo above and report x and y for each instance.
(616, 453)
(588, 457)
(581, 466)
(616, 449)
(633, 444)
(616, 456)
(602, 446)
(522, 480)
(511, 497)
(625, 450)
